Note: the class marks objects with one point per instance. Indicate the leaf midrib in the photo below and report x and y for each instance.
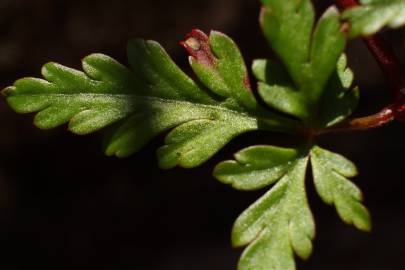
(151, 99)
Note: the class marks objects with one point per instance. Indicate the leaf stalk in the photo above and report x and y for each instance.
(379, 119)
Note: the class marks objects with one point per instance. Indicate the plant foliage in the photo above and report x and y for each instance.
(153, 98)
(309, 91)
(373, 15)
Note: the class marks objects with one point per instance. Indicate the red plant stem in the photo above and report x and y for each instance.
(345, 4)
(389, 63)
(373, 121)
(383, 53)
(387, 60)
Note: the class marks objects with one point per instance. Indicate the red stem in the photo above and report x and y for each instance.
(387, 60)
(389, 63)
(345, 4)
(383, 53)
(373, 121)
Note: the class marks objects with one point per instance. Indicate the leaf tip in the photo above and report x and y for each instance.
(94, 57)
(47, 68)
(214, 33)
(331, 11)
(6, 92)
(236, 240)
(111, 151)
(196, 44)
(364, 223)
(135, 44)
(218, 172)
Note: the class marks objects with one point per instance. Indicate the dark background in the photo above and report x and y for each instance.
(64, 205)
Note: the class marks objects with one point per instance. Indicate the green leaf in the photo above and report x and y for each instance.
(277, 89)
(279, 19)
(373, 15)
(225, 71)
(277, 225)
(327, 46)
(153, 98)
(256, 167)
(88, 100)
(340, 100)
(280, 223)
(330, 173)
(311, 64)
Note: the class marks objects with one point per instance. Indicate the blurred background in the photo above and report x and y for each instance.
(64, 205)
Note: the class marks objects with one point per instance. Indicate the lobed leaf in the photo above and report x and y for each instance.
(155, 97)
(219, 65)
(88, 101)
(373, 15)
(310, 64)
(277, 89)
(280, 223)
(340, 100)
(313, 85)
(256, 167)
(286, 24)
(277, 225)
(330, 173)
(327, 46)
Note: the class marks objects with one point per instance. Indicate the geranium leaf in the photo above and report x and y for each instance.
(341, 98)
(256, 167)
(153, 98)
(218, 63)
(308, 89)
(279, 19)
(311, 64)
(330, 176)
(277, 225)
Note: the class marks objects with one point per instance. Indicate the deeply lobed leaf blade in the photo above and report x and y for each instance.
(277, 225)
(70, 95)
(256, 167)
(154, 98)
(341, 98)
(310, 64)
(330, 177)
(286, 24)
